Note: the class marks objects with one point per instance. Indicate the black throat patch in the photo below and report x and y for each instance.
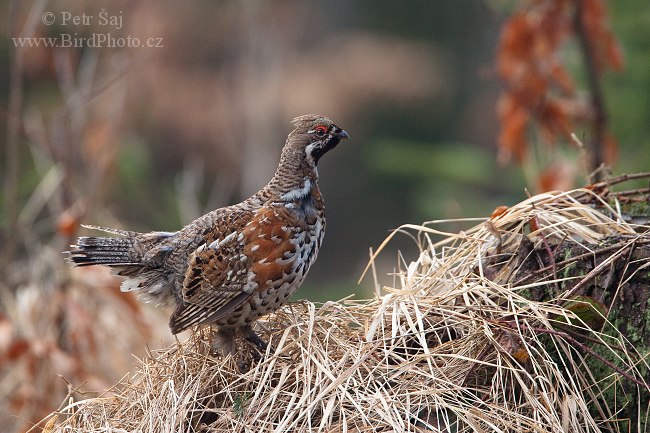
(329, 145)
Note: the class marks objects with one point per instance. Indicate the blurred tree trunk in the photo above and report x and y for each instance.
(260, 69)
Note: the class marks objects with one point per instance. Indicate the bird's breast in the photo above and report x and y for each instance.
(306, 205)
(282, 241)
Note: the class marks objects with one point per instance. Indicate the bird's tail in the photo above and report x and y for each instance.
(108, 251)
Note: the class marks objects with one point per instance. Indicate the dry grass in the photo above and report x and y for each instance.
(447, 349)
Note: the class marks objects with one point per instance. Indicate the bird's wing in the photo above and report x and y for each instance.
(226, 270)
(215, 281)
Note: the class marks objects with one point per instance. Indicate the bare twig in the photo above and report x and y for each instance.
(602, 267)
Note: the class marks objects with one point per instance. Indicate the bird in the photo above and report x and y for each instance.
(234, 264)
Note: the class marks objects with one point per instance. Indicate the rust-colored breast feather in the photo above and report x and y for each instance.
(268, 244)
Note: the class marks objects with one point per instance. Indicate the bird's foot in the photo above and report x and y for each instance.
(261, 345)
(223, 343)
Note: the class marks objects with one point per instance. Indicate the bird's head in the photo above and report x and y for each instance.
(314, 135)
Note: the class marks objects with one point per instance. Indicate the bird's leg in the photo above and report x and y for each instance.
(224, 342)
(251, 336)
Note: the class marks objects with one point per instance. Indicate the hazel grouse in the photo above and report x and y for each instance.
(237, 263)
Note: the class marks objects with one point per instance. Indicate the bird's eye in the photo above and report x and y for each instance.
(320, 130)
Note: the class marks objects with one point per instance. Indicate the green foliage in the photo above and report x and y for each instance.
(334, 289)
(628, 94)
(446, 177)
(145, 193)
(458, 161)
(134, 163)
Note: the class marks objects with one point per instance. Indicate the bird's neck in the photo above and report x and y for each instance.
(293, 178)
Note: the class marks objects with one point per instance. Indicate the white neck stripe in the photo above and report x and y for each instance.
(298, 193)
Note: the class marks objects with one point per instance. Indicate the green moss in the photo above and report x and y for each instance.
(639, 208)
(240, 402)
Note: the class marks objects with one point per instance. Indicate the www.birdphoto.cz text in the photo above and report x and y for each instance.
(94, 40)
(112, 38)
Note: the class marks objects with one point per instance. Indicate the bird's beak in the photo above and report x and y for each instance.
(343, 134)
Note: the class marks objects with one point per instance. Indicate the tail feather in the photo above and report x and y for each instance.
(124, 233)
(137, 257)
(100, 250)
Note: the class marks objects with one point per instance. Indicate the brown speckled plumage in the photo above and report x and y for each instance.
(234, 264)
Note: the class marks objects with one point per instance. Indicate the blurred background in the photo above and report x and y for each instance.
(144, 115)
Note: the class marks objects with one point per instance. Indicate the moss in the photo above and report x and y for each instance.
(638, 208)
(240, 402)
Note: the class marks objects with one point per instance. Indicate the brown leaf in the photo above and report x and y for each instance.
(611, 148)
(512, 137)
(67, 224)
(498, 211)
(49, 427)
(17, 349)
(559, 175)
